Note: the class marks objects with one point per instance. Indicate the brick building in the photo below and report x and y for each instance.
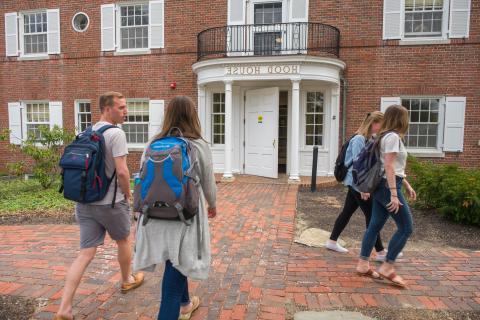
(272, 77)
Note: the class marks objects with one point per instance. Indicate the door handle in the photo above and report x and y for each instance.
(274, 140)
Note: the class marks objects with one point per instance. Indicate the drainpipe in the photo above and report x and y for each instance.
(344, 87)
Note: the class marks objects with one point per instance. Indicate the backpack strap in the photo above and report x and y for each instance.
(101, 131)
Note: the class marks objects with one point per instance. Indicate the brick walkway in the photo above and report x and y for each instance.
(258, 272)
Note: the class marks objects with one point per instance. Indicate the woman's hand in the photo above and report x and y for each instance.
(394, 204)
(411, 193)
(212, 213)
(364, 196)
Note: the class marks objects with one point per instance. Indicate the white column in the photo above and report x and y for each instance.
(202, 111)
(295, 133)
(227, 173)
(334, 128)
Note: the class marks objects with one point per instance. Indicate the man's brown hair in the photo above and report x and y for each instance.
(107, 99)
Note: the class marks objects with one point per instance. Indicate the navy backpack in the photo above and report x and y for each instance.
(84, 178)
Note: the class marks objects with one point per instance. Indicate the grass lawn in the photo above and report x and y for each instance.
(19, 196)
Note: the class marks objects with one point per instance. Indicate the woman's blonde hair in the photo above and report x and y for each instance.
(371, 118)
(181, 114)
(395, 119)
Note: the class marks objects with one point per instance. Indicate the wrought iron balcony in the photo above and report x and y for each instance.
(268, 40)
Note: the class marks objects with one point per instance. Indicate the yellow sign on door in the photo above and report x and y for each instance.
(260, 119)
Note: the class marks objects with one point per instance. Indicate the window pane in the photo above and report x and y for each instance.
(309, 140)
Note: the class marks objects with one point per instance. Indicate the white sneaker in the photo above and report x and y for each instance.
(383, 257)
(335, 247)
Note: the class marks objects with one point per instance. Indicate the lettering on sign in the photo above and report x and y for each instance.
(262, 70)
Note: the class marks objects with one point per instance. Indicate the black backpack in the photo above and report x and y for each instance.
(341, 170)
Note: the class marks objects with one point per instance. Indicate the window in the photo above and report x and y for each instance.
(134, 26)
(218, 118)
(84, 115)
(80, 22)
(136, 126)
(314, 119)
(426, 21)
(267, 41)
(268, 13)
(38, 115)
(35, 33)
(424, 123)
(423, 18)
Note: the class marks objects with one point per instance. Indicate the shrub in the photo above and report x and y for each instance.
(454, 192)
(45, 153)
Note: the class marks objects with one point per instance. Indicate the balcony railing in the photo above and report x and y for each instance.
(269, 40)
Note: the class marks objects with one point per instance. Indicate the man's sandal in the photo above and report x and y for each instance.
(127, 286)
(195, 305)
(391, 278)
(370, 274)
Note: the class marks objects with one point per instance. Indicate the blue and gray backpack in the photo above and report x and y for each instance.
(167, 185)
(84, 178)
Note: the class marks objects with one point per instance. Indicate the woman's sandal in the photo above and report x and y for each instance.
(391, 279)
(195, 305)
(370, 274)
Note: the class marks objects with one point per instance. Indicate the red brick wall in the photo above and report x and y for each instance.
(375, 68)
(82, 71)
(378, 68)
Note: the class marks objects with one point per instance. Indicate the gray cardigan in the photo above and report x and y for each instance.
(161, 240)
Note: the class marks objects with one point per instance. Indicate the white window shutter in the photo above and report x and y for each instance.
(459, 18)
(388, 101)
(392, 19)
(298, 11)
(107, 27)
(156, 111)
(236, 12)
(11, 34)
(53, 31)
(15, 122)
(454, 124)
(55, 108)
(156, 27)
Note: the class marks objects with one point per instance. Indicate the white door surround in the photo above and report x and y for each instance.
(239, 77)
(261, 132)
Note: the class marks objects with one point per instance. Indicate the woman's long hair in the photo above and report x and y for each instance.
(181, 114)
(365, 127)
(395, 119)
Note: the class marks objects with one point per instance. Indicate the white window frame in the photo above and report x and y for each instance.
(212, 124)
(445, 23)
(77, 113)
(431, 152)
(25, 115)
(118, 21)
(325, 136)
(142, 144)
(21, 34)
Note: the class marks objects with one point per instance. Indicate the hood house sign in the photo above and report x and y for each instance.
(259, 69)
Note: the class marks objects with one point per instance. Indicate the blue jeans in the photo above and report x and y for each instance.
(174, 293)
(380, 214)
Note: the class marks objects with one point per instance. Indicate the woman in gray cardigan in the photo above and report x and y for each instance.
(173, 242)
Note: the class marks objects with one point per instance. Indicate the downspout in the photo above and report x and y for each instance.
(344, 87)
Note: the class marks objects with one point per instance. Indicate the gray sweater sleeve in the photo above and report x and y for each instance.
(207, 177)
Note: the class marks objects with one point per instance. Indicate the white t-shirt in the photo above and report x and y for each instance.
(391, 143)
(115, 146)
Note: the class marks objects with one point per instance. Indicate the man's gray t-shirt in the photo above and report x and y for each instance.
(115, 146)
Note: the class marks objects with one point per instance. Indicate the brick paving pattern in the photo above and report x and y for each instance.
(257, 270)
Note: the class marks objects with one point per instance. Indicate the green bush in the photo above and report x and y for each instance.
(45, 152)
(454, 192)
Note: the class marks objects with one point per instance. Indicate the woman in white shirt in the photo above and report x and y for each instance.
(388, 199)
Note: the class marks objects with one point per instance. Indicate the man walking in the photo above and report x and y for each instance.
(99, 217)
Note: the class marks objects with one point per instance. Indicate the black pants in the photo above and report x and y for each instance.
(352, 202)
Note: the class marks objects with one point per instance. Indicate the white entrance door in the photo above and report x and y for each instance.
(261, 132)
